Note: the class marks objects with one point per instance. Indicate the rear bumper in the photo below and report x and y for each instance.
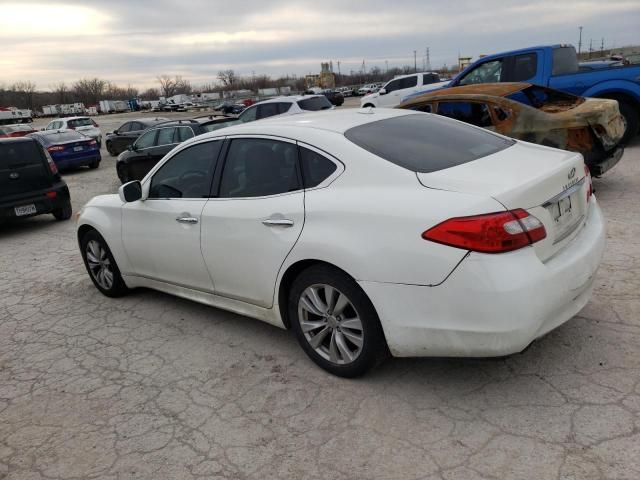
(491, 305)
(38, 198)
(605, 162)
(78, 161)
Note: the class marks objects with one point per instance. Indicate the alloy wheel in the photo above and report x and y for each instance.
(330, 324)
(99, 264)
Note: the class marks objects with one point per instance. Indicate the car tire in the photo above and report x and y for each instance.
(335, 322)
(110, 149)
(631, 116)
(101, 266)
(64, 212)
(95, 164)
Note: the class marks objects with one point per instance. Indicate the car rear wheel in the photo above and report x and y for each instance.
(631, 116)
(111, 150)
(101, 265)
(94, 164)
(122, 173)
(335, 322)
(64, 212)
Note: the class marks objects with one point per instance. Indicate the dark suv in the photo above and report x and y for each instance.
(154, 143)
(29, 181)
(127, 133)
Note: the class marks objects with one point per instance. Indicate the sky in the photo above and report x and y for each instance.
(131, 42)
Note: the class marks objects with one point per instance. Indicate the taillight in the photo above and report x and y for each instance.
(490, 233)
(93, 142)
(587, 174)
(52, 166)
(55, 148)
(52, 194)
(16, 134)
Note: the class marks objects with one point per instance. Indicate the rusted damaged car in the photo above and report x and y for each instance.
(591, 126)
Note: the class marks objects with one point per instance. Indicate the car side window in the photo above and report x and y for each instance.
(469, 112)
(188, 173)
(166, 136)
(146, 140)
(267, 110)
(136, 127)
(259, 167)
(185, 133)
(428, 78)
(283, 107)
(315, 167)
(524, 67)
(125, 128)
(422, 108)
(488, 72)
(249, 115)
(409, 82)
(392, 86)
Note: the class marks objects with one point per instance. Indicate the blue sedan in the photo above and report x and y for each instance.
(69, 149)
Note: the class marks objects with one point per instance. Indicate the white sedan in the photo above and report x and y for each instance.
(84, 125)
(364, 231)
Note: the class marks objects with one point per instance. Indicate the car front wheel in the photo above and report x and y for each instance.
(101, 265)
(335, 322)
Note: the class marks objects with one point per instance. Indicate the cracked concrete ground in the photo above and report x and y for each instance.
(150, 386)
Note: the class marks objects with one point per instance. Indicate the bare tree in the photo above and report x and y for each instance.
(89, 90)
(26, 91)
(183, 86)
(227, 77)
(167, 85)
(61, 91)
(150, 94)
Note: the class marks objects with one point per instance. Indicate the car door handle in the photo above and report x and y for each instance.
(190, 220)
(278, 222)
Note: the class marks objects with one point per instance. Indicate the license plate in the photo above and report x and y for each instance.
(25, 210)
(77, 149)
(564, 216)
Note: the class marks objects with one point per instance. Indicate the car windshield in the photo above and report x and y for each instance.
(80, 122)
(313, 104)
(426, 143)
(546, 99)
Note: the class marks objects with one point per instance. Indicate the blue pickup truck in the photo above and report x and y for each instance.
(557, 67)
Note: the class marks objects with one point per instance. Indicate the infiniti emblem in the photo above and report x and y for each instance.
(572, 173)
(14, 175)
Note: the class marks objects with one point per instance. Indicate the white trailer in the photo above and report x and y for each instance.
(9, 115)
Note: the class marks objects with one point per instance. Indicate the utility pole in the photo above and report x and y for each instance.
(580, 41)
(602, 47)
(428, 68)
(415, 61)
(386, 66)
(590, 47)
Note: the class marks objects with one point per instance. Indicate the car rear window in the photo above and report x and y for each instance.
(19, 153)
(565, 61)
(426, 143)
(314, 104)
(80, 122)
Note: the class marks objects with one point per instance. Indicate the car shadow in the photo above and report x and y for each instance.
(18, 226)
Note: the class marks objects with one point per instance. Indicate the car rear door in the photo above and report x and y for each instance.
(161, 233)
(254, 218)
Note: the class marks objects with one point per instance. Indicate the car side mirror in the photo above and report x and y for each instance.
(382, 91)
(132, 147)
(116, 132)
(130, 191)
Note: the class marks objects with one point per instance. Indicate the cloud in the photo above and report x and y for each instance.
(133, 42)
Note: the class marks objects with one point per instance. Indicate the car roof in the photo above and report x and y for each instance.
(338, 121)
(71, 118)
(490, 89)
(47, 133)
(289, 98)
(17, 140)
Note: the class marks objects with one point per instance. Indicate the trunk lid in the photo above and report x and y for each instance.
(550, 184)
(22, 168)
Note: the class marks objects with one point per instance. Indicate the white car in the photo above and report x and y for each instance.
(392, 92)
(363, 231)
(282, 106)
(84, 125)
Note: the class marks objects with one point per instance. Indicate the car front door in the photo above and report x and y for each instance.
(122, 138)
(254, 219)
(161, 233)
